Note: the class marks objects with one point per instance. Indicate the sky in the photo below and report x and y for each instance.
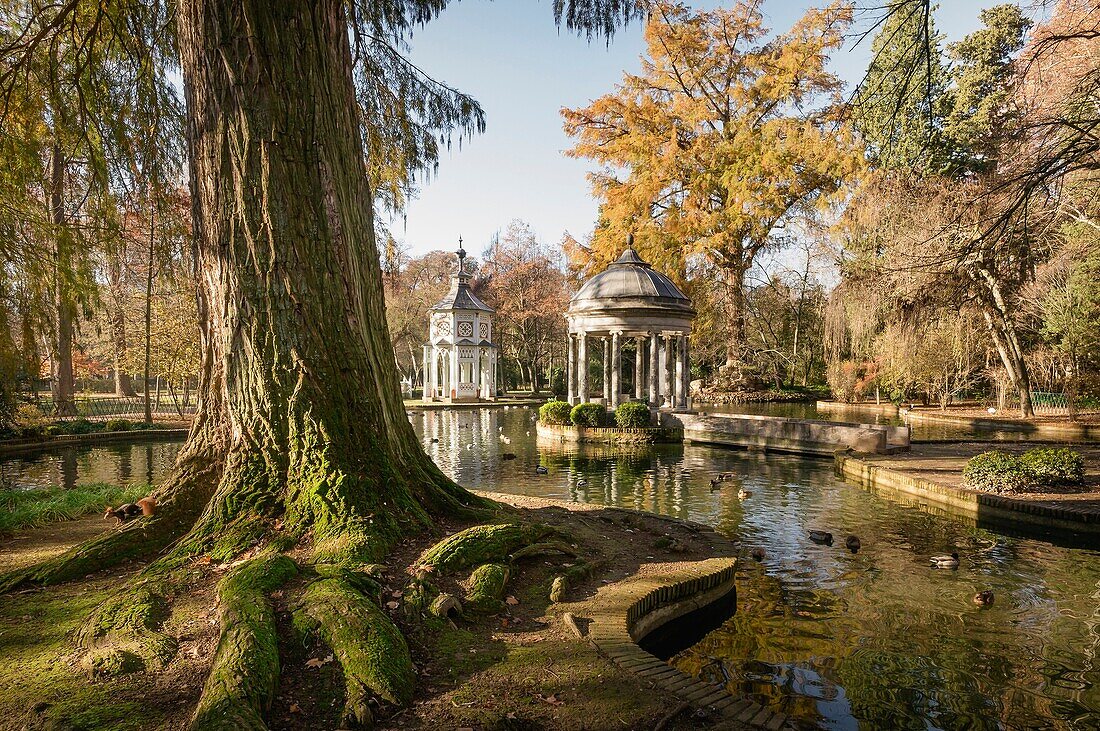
(510, 56)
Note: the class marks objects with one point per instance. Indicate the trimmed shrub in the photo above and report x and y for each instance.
(1054, 466)
(83, 426)
(1004, 473)
(554, 412)
(632, 415)
(997, 472)
(118, 425)
(588, 414)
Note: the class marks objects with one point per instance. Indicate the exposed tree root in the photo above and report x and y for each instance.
(572, 576)
(245, 673)
(121, 635)
(541, 549)
(368, 645)
(485, 588)
(481, 544)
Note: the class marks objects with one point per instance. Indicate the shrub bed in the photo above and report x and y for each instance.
(588, 414)
(555, 412)
(632, 415)
(1001, 473)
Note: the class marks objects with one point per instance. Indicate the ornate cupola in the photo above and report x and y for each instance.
(460, 357)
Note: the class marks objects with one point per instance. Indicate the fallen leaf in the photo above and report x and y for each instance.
(203, 560)
(315, 662)
(551, 699)
(396, 593)
(393, 605)
(511, 601)
(294, 708)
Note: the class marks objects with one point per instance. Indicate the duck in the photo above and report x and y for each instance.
(743, 493)
(435, 440)
(983, 598)
(853, 544)
(507, 455)
(945, 562)
(582, 482)
(821, 536)
(757, 554)
(540, 470)
(715, 484)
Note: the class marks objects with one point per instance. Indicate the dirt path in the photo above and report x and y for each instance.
(31, 546)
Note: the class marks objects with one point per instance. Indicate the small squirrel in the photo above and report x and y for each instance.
(145, 506)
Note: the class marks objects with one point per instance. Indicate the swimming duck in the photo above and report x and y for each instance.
(540, 470)
(715, 484)
(945, 562)
(983, 598)
(853, 544)
(743, 493)
(507, 455)
(821, 536)
(582, 483)
(757, 554)
(435, 440)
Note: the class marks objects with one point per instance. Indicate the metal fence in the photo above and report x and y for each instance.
(106, 406)
(1045, 403)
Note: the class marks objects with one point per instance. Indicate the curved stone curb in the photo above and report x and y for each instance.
(1060, 431)
(973, 503)
(66, 440)
(638, 605)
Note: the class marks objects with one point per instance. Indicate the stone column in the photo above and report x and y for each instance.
(639, 367)
(425, 356)
(654, 370)
(454, 377)
(570, 368)
(606, 366)
(582, 368)
(616, 369)
(666, 384)
(685, 384)
(678, 391)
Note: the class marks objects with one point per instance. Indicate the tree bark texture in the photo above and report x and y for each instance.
(300, 398)
(64, 307)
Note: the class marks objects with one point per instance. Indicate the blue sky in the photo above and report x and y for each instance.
(509, 55)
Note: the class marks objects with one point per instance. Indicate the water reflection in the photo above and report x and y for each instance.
(837, 640)
(119, 463)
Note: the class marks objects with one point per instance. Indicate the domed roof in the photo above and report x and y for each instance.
(630, 282)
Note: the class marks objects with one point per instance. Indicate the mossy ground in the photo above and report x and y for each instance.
(517, 668)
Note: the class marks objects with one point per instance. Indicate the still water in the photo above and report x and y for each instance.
(873, 640)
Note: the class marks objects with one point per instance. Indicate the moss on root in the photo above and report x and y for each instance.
(245, 672)
(481, 544)
(569, 578)
(369, 646)
(121, 636)
(485, 588)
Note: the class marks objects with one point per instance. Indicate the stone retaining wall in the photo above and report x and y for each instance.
(888, 408)
(67, 440)
(1063, 430)
(802, 436)
(608, 435)
(981, 506)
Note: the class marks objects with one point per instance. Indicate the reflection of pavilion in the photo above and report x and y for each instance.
(631, 309)
(460, 361)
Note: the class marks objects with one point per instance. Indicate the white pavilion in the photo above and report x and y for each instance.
(460, 359)
(642, 323)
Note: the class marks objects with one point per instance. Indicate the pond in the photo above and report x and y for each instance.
(836, 640)
(921, 431)
(118, 463)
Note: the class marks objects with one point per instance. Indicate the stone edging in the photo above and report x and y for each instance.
(1085, 432)
(640, 604)
(609, 435)
(976, 504)
(65, 440)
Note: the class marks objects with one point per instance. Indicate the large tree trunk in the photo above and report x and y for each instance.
(123, 384)
(64, 306)
(303, 383)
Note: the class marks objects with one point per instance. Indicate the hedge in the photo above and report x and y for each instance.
(632, 415)
(554, 412)
(588, 414)
(1001, 472)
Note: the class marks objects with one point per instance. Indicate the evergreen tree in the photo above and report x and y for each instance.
(897, 106)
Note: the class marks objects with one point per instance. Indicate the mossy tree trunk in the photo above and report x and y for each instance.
(301, 394)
